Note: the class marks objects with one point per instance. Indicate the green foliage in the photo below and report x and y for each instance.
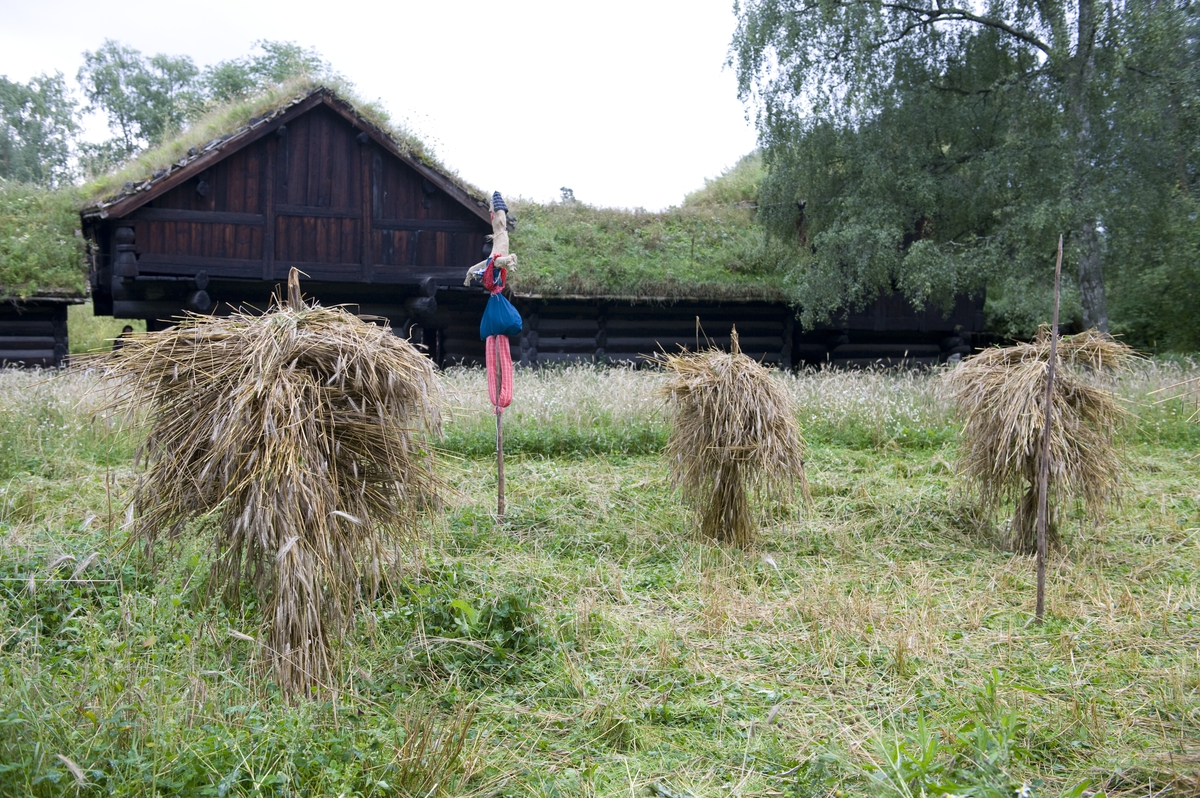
(467, 628)
(39, 250)
(1153, 260)
(222, 119)
(145, 99)
(88, 332)
(605, 434)
(160, 106)
(46, 432)
(125, 637)
(277, 63)
(973, 759)
(938, 150)
(37, 125)
(699, 250)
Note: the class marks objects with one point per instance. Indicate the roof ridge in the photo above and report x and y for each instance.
(164, 171)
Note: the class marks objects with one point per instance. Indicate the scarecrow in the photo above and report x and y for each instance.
(500, 320)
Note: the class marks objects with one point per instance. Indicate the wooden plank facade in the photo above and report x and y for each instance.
(315, 187)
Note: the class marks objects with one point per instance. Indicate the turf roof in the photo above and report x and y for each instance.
(225, 126)
(708, 248)
(41, 254)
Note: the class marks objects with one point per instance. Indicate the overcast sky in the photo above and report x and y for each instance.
(627, 102)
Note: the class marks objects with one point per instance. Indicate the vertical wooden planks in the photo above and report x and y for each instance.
(320, 153)
(297, 178)
(235, 175)
(364, 204)
(253, 180)
(269, 209)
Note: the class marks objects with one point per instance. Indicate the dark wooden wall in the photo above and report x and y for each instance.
(34, 332)
(313, 193)
(888, 333)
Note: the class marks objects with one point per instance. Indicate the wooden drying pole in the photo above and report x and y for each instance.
(500, 457)
(1044, 476)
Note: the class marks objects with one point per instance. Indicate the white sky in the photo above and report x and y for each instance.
(625, 101)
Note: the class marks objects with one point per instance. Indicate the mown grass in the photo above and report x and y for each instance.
(879, 642)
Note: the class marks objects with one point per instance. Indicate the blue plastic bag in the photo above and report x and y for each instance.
(499, 318)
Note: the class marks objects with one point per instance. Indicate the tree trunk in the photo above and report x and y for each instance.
(1091, 278)
(1081, 71)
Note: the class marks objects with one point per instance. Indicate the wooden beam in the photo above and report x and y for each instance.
(212, 217)
(432, 225)
(190, 264)
(318, 211)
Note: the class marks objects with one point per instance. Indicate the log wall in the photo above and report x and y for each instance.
(889, 333)
(33, 333)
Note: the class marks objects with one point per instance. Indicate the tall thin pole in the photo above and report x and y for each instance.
(1044, 476)
(499, 465)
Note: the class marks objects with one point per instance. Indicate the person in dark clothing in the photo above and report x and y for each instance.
(119, 341)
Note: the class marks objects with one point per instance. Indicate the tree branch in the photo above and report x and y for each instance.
(951, 14)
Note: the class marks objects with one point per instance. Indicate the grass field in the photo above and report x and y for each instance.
(879, 642)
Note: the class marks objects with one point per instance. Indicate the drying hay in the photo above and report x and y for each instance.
(302, 434)
(733, 431)
(1001, 395)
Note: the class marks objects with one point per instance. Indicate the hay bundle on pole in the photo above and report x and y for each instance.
(733, 432)
(1000, 394)
(303, 433)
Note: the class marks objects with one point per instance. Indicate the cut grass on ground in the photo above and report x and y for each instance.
(606, 650)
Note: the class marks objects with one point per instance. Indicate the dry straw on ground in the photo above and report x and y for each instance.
(1000, 394)
(733, 431)
(302, 434)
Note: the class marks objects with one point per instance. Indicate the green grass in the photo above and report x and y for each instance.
(696, 251)
(88, 332)
(738, 184)
(39, 251)
(878, 643)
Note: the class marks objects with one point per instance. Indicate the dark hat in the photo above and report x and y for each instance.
(498, 202)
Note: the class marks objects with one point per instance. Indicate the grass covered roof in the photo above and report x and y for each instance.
(225, 123)
(710, 247)
(41, 253)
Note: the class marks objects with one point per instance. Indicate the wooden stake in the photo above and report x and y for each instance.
(499, 465)
(295, 300)
(1044, 476)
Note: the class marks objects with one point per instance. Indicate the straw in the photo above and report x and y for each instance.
(303, 434)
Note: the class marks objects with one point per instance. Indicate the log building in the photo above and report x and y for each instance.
(33, 331)
(315, 185)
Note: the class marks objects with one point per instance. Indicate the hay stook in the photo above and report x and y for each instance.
(303, 433)
(733, 433)
(1000, 395)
